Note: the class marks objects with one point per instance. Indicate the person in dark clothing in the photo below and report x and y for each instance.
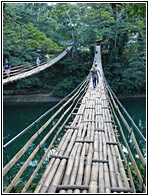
(7, 67)
(94, 71)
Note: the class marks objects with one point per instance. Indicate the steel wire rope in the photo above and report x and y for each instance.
(127, 114)
(7, 167)
(51, 143)
(130, 132)
(7, 158)
(129, 151)
(125, 141)
(8, 189)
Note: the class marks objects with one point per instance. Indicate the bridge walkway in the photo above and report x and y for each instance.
(88, 159)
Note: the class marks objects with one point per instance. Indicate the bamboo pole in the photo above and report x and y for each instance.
(57, 177)
(50, 175)
(59, 174)
(142, 159)
(87, 171)
(8, 166)
(33, 175)
(44, 176)
(70, 165)
(76, 165)
(81, 166)
(33, 154)
(130, 154)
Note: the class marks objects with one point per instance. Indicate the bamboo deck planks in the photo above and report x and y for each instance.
(94, 163)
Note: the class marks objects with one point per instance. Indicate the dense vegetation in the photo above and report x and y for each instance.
(35, 29)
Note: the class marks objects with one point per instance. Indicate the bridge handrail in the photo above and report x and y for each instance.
(11, 163)
(127, 114)
(16, 67)
(142, 159)
(41, 117)
(54, 138)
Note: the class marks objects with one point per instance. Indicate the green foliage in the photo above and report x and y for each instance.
(22, 38)
(124, 64)
(61, 78)
(29, 83)
(62, 89)
(18, 186)
(135, 178)
(136, 9)
(121, 26)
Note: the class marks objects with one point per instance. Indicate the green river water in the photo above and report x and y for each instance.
(17, 116)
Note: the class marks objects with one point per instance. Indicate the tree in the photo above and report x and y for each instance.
(121, 26)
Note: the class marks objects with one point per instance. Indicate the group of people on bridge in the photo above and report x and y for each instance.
(94, 71)
(7, 67)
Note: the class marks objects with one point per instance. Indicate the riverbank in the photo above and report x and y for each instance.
(45, 97)
(38, 97)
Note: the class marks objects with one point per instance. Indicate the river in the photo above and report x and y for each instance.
(17, 116)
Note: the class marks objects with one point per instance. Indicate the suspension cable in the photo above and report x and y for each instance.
(127, 114)
(129, 151)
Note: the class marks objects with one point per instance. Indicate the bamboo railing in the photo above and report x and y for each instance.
(16, 158)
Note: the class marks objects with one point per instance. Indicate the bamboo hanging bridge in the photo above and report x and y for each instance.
(88, 157)
(19, 72)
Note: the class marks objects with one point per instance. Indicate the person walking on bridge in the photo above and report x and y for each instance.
(47, 57)
(7, 68)
(95, 78)
(38, 61)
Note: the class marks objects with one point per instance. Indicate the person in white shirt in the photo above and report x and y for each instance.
(38, 61)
